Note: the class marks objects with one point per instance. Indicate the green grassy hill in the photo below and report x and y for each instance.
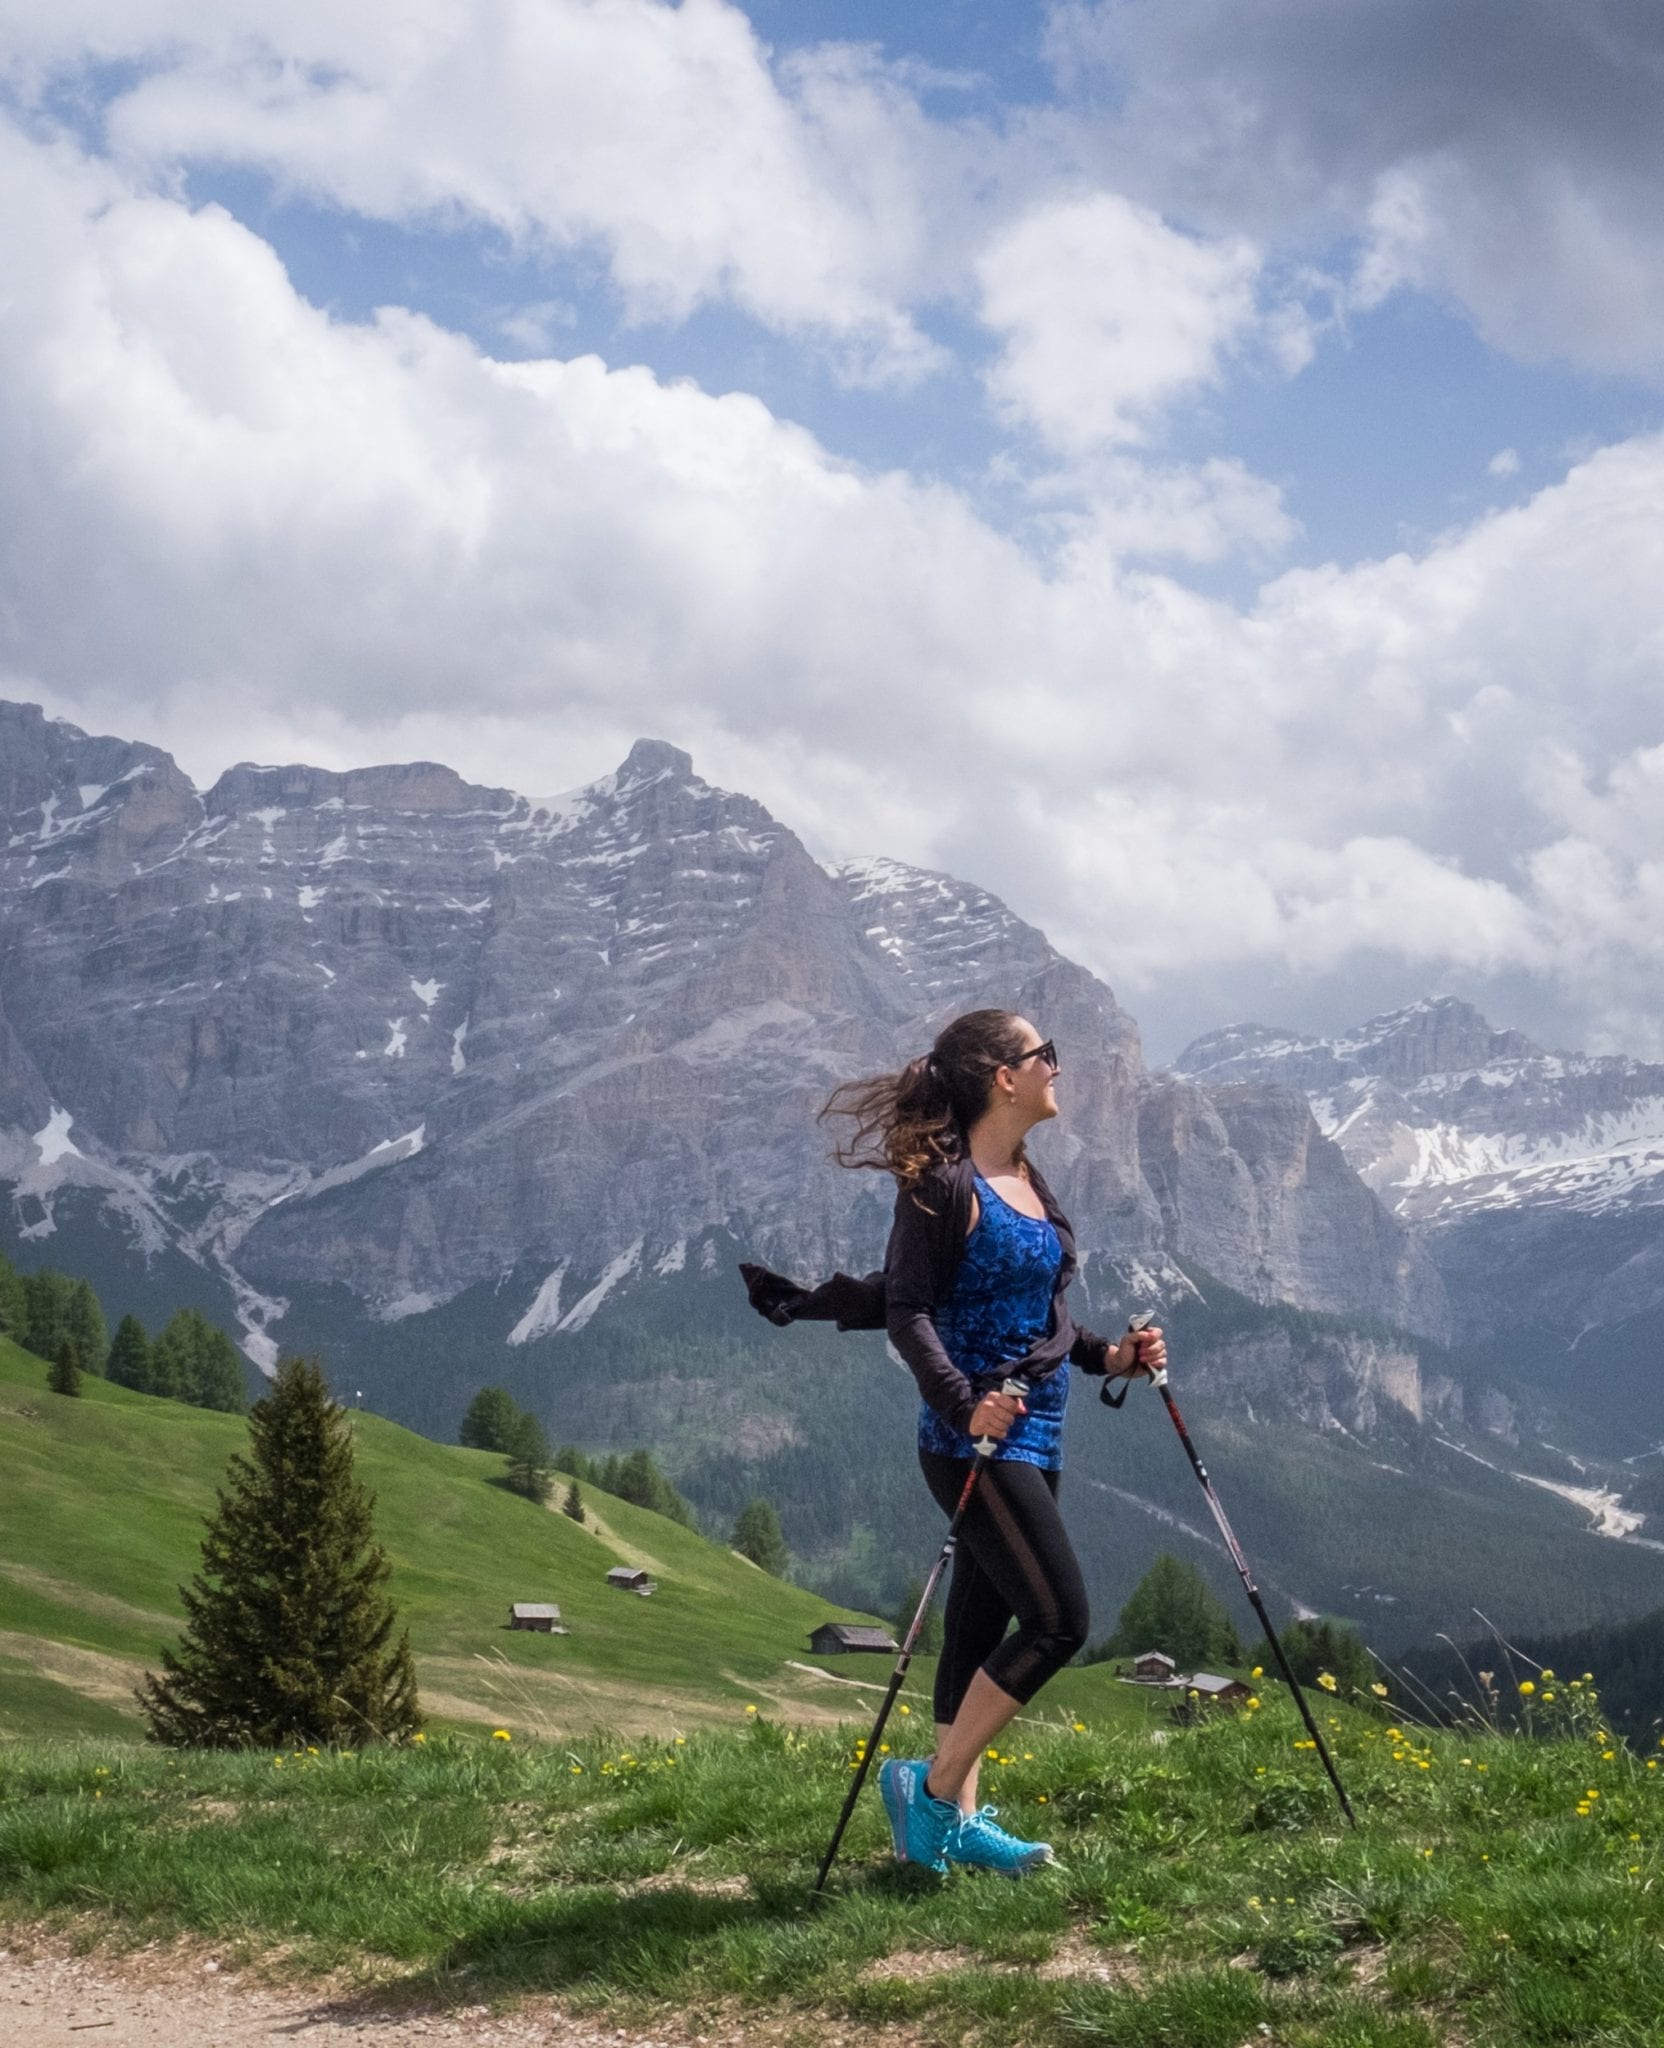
(101, 1517)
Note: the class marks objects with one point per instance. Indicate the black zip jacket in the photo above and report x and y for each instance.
(927, 1242)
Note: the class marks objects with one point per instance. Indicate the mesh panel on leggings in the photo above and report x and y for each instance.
(1014, 1560)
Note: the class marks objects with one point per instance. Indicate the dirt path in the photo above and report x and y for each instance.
(170, 1999)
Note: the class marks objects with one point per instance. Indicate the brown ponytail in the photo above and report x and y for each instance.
(907, 1123)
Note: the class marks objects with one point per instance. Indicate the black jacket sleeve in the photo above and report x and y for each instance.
(920, 1251)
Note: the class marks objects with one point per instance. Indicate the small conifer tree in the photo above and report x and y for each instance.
(46, 1294)
(758, 1536)
(531, 1464)
(573, 1504)
(1172, 1609)
(86, 1328)
(14, 1302)
(490, 1422)
(290, 1635)
(63, 1375)
(129, 1364)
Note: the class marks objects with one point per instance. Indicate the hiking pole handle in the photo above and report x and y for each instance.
(987, 1445)
(1139, 1322)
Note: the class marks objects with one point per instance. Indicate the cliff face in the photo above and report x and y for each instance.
(1534, 1180)
(393, 1031)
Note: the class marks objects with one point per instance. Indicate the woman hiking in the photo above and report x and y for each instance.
(972, 1293)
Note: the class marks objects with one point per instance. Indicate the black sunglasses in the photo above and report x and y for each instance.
(1046, 1052)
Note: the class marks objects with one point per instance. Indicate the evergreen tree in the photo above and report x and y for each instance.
(1172, 1609)
(1313, 1647)
(637, 1479)
(290, 1634)
(490, 1422)
(86, 1328)
(930, 1636)
(129, 1364)
(63, 1375)
(194, 1361)
(573, 1504)
(531, 1464)
(758, 1536)
(14, 1302)
(216, 1372)
(172, 1353)
(46, 1295)
(571, 1460)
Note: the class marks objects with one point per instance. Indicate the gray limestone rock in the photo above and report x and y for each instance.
(398, 1033)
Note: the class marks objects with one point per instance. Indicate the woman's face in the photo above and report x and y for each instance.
(1033, 1081)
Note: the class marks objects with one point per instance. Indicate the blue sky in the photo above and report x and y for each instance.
(1190, 469)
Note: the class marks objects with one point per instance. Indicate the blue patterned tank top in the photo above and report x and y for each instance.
(999, 1306)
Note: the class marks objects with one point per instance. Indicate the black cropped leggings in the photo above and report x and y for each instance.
(1014, 1560)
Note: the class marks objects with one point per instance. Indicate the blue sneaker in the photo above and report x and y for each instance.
(982, 1843)
(920, 1827)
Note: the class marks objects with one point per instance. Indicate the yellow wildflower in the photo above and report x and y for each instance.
(1326, 1680)
(1379, 1690)
(751, 1710)
(501, 1735)
(1526, 1688)
(1079, 1727)
(904, 1709)
(1546, 1672)
(1257, 1672)
(418, 1736)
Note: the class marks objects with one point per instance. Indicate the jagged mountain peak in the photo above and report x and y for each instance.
(1436, 1035)
(654, 757)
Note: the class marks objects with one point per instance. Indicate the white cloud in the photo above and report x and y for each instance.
(1108, 315)
(1505, 462)
(238, 527)
(661, 135)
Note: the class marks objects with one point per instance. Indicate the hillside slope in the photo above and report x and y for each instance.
(101, 1517)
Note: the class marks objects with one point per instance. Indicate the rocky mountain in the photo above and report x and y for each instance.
(389, 1032)
(1534, 1180)
(454, 1085)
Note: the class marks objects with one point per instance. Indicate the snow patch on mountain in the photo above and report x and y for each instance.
(616, 1270)
(54, 1142)
(544, 1312)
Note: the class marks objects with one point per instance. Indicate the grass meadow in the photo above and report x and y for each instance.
(1499, 1889)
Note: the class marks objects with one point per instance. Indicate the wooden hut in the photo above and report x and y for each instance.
(1154, 1667)
(540, 1615)
(838, 1638)
(630, 1578)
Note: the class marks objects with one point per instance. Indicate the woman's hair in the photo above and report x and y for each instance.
(907, 1123)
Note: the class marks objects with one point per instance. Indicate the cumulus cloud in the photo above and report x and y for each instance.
(236, 525)
(662, 136)
(1107, 316)
(1503, 152)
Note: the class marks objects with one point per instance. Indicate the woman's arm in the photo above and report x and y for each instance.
(911, 1264)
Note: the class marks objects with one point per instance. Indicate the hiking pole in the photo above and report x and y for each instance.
(985, 1446)
(1159, 1381)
